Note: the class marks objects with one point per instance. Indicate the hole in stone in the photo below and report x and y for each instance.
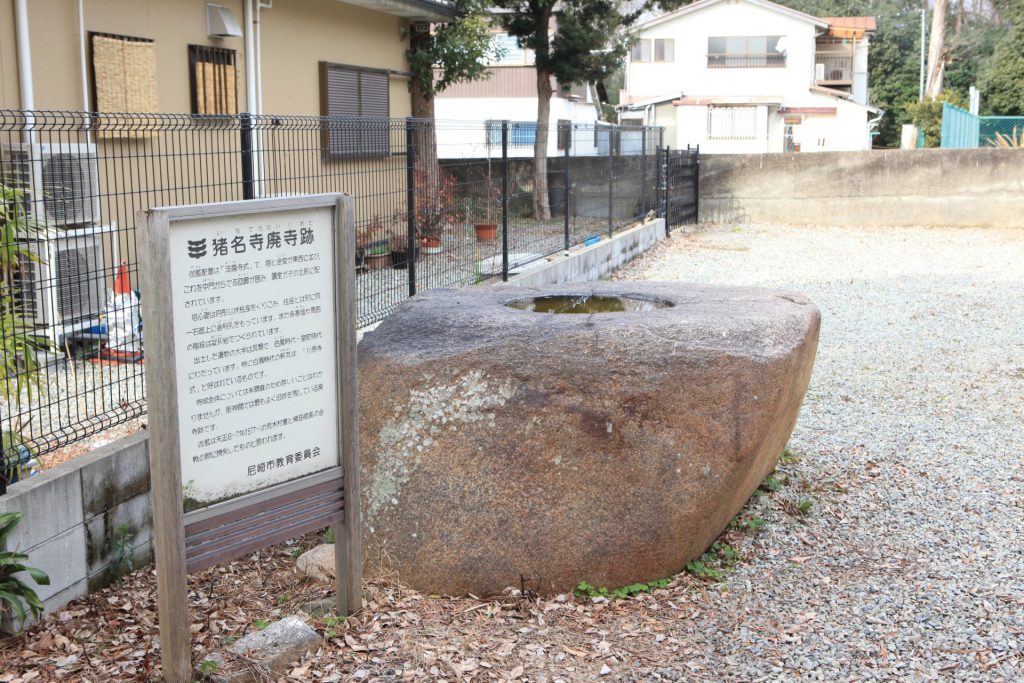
(587, 304)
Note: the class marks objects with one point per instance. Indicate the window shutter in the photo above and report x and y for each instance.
(374, 100)
(353, 92)
(342, 92)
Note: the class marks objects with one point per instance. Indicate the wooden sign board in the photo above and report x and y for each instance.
(251, 377)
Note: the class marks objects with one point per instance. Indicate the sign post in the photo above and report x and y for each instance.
(251, 377)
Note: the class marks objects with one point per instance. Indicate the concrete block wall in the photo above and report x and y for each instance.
(596, 261)
(923, 187)
(73, 516)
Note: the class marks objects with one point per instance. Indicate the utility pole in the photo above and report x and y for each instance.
(924, 12)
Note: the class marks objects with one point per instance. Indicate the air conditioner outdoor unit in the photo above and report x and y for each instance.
(819, 72)
(64, 288)
(60, 181)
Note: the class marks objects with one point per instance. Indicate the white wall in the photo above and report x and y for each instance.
(461, 133)
(690, 74)
(860, 71)
(844, 131)
(692, 129)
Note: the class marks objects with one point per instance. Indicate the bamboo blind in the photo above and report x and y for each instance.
(124, 74)
(216, 88)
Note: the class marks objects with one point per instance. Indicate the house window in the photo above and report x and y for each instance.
(661, 49)
(664, 50)
(564, 134)
(348, 91)
(213, 79)
(520, 133)
(123, 73)
(726, 52)
(511, 54)
(732, 123)
(641, 51)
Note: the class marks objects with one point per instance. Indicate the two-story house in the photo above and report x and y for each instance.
(752, 76)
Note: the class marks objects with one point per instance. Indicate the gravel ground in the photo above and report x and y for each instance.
(908, 567)
(911, 443)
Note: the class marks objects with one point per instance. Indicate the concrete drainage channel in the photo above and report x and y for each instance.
(89, 520)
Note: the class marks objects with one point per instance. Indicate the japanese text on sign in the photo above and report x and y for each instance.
(254, 314)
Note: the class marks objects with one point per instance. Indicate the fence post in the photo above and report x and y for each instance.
(248, 180)
(504, 201)
(568, 144)
(668, 183)
(410, 204)
(657, 179)
(611, 178)
(643, 172)
(696, 184)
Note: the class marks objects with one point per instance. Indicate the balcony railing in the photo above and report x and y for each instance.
(746, 61)
(833, 68)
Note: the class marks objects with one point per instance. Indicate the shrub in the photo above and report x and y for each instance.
(15, 594)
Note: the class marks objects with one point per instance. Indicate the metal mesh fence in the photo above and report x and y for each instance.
(437, 204)
(962, 129)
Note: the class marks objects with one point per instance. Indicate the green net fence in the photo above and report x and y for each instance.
(962, 129)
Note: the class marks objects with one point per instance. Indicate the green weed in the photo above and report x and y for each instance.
(124, 551)
(585, 590)
(750, 525)
(715, 563)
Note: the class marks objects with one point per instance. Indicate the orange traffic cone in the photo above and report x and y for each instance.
(122, 288)
(121, 283)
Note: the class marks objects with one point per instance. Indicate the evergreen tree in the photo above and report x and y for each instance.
(1002, 77)
(442, 55)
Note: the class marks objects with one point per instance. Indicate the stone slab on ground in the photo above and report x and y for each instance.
(502, 446)
(269, 652)
(318, 563)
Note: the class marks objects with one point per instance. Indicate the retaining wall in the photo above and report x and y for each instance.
(925, 187)
(596, 261)
(74, 515)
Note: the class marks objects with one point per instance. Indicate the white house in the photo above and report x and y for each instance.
(510, 93)
(751, 76)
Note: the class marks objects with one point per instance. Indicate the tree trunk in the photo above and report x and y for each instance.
(937, 50)
(424, 130)
(541, 208)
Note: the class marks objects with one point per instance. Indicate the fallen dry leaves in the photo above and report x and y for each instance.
(400, 635)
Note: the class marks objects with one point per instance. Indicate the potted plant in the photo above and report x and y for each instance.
(436, 209)
(375, 243)
(399, 237)
(363, 238)
(378, 257)
(487, 230)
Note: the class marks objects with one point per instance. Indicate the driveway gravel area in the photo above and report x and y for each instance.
(911, 445)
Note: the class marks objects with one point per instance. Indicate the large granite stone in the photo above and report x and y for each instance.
(500, 443)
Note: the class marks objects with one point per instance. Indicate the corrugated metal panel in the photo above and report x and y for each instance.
(505, 81)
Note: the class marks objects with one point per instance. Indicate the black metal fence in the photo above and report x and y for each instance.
(437, 204)
(681, 169)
